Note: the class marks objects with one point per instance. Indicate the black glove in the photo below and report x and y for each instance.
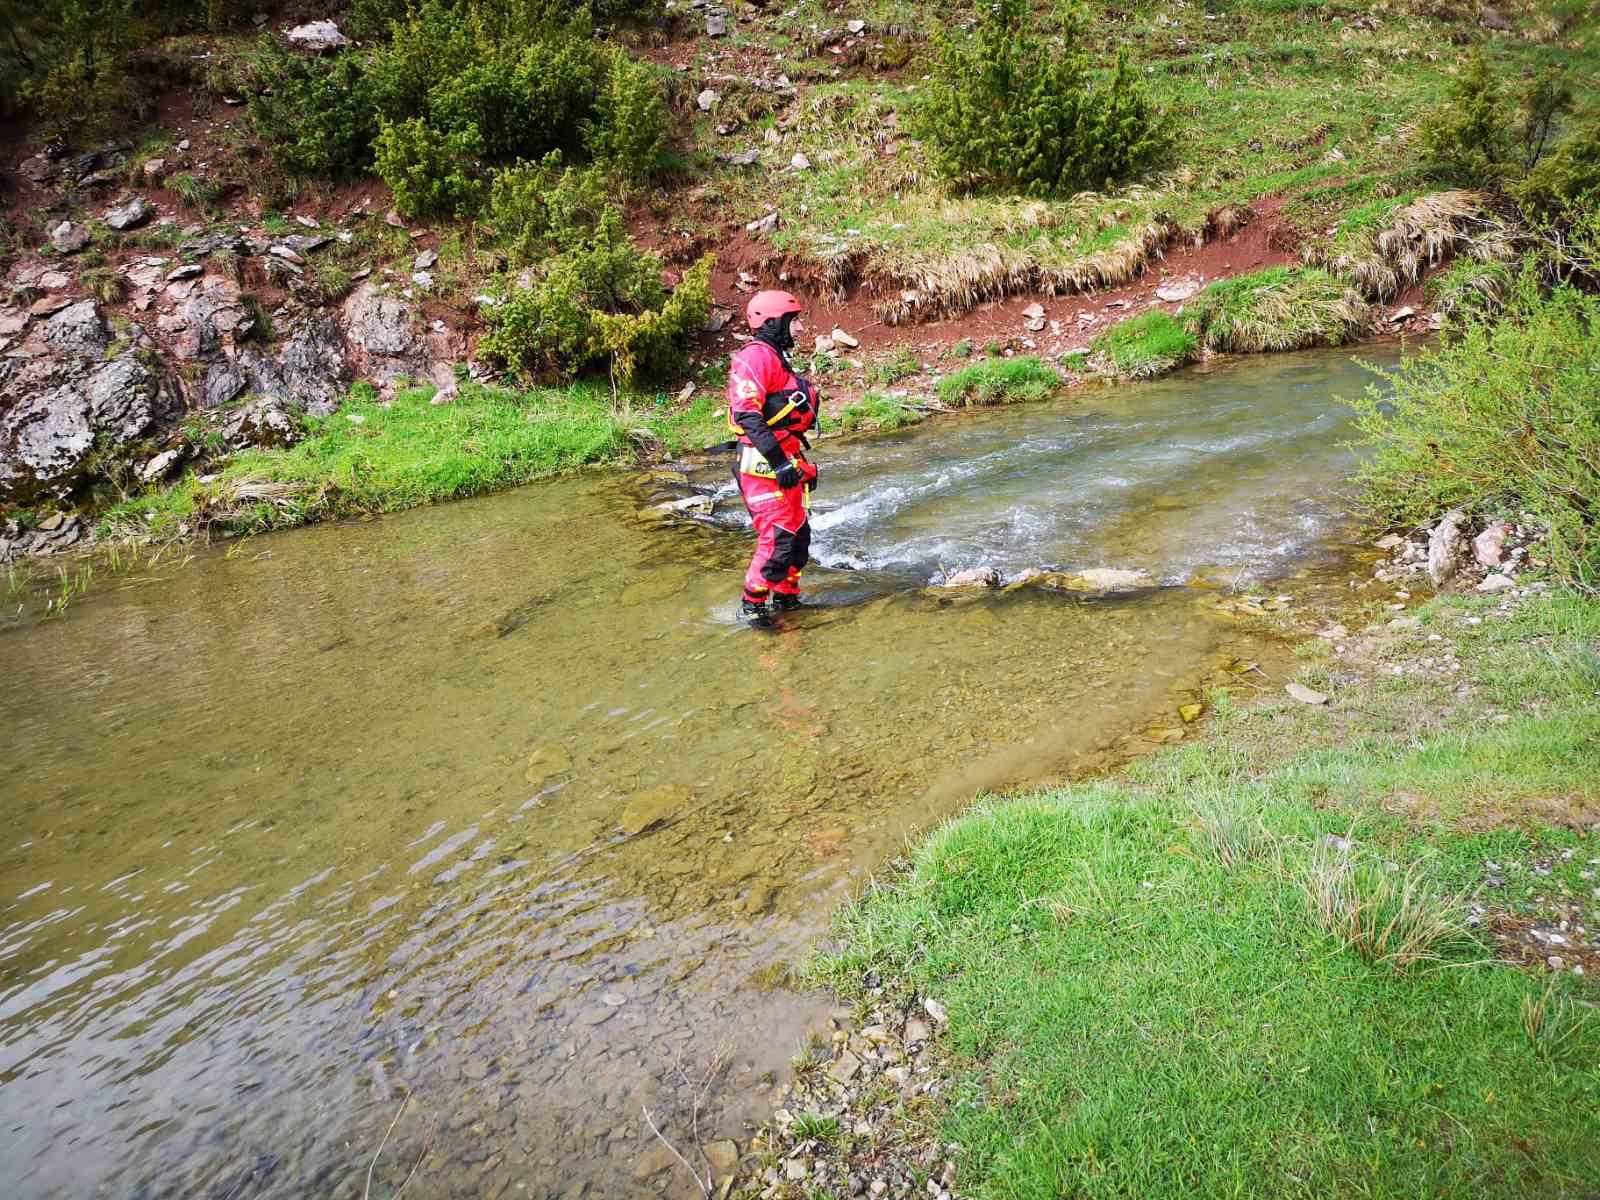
(789, 476)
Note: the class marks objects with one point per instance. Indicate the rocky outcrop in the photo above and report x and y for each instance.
(62, 402)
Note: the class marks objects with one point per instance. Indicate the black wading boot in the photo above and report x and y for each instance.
(755, 614)
(787, 602)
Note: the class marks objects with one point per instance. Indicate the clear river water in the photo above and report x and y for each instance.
(318, 843)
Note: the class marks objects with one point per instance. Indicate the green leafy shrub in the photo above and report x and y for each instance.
(434, 41)
(998, 381)
(628, 134)
(429, 171)
(537, 208)
(1281, 308)
(1005, 109)
(316, 114)
(1148, 345)
(600, 302)
(1502, 420)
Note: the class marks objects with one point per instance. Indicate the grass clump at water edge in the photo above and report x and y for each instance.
(1148, 345)
(372, 457)
(1281, 308)
(998, 381)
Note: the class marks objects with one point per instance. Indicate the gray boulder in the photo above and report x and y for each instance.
(77, 329)
(1446, 545)
(135, 211)
(68, 238)
(264, 421)
(58, 409)
(379, 322)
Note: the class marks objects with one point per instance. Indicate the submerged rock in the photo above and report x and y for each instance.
(974, 577)
(653, 807)
(1097, 579)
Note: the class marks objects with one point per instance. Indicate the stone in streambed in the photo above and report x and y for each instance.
(1489, 546)
(545, 762)
(1096, 579)
(652, 807)
(1445, 545)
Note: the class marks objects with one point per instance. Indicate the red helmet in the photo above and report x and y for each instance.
(764, 306)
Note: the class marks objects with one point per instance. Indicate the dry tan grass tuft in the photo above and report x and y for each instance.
(1420, 236)
(1388, 917)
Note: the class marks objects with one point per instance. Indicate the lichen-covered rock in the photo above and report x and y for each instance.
(379, 322)
(66, 403)
(315, 366)
(77, 329)
(264, 421)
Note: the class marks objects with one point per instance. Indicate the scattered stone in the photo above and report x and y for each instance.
(764, 224)
(1033, 311)
(844, 1068)
(135, 211)
(799, 162)
(716, 24)
(318, 36)
(1496, 583)
(154, 171)
(935, 1010)
(187, 271)
(266, 421)
(1305, 695)
(1388, 541)
(723, 1155)
(1178, 290)
(12, 321)
(855, 26)
(707, 100)
(378, 322)
(159, 467)
(1493, 18)
(424, 260)
(1444, 547)
(917, 1031)
(1489, 546)
(49, 306)
(423, 280)
(741, 158)
(78, 329)
(37, 169)
(1402, 314)
(1096, 579)
(392, 217)
(652, 1162)
(68, 238)
(841, 338)
(717, 318)
(823, 344)
(53, 281)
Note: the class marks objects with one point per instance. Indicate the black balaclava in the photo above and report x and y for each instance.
(775, 333)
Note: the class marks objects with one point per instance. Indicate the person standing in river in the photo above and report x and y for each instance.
(770, 408)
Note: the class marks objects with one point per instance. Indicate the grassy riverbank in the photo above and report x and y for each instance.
(375, 456)
(1277, 962)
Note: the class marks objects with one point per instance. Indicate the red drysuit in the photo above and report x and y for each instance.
(771, 407)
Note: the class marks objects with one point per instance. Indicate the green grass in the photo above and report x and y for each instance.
(877, 411)
(368, 458)
(1171, 985)
(998, 381)
(1280, 308)
(1148, 345)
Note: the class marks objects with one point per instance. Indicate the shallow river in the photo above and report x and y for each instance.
(319, 836)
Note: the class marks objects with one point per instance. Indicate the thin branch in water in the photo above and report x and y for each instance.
(367, 1195)
(427, 1139)
(705, 1186)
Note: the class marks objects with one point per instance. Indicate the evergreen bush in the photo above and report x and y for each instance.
(316, 114)
(430, 172)
(628, 134)
(539, 208)
(1006, 109)
(600, 302)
